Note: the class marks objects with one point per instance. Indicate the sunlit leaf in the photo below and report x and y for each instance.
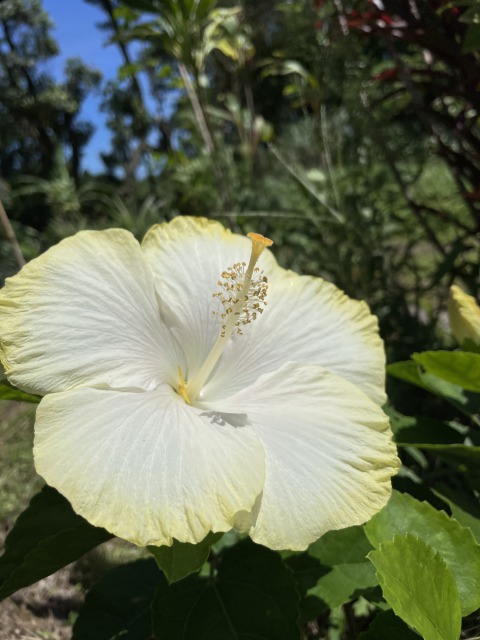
(419, 587)
(458, 367)
(456, 544)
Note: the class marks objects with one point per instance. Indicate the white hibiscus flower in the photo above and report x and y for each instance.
(189, 390)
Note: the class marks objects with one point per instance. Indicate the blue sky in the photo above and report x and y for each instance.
(77, 36)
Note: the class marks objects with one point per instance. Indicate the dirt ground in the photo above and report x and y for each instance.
(45, 610)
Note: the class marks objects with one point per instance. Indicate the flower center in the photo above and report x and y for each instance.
(243, 290)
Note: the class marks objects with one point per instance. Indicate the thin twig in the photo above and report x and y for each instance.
(197, 108)
(305, 184)
(11, 237)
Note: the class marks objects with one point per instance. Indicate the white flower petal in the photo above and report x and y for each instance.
(85, 313)
(329, 454)
(188, 256)
(145, 465)
(307, 320)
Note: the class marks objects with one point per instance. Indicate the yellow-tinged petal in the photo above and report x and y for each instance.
(146, 466)
(311, 321)
(85, 313)
(329, 454)
(464, 313)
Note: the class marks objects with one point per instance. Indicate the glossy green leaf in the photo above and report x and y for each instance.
(388, 626)
(182, 559)
(47, 536)
(118, 607)
(456, 544)
(252, 596)
(419, 587)
(458, 367)
(8, 392)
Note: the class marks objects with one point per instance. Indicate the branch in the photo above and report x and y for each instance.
(11, 237)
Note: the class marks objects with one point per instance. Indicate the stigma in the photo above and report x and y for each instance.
(243, 291)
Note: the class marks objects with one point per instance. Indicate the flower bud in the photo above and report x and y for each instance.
(464, 314)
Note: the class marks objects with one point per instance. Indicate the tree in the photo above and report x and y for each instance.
(37, 112)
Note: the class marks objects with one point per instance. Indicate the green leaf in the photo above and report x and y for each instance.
(409, 371)
(388, 626)
(8, 392)
(469, 345)
(182, 559)
(344, 582)
(464, 517)
(421, 431)
(453, 452)
(456, 544)
(306, 572)
(458, 367)
(433, 435)
(252, 596)
(345, 552)
(47, 536)
(345, 546)
(419, 587)
(118, 607)
(465, 401)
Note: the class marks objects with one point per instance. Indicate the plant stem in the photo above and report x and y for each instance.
(11, 237)
(197, 108)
